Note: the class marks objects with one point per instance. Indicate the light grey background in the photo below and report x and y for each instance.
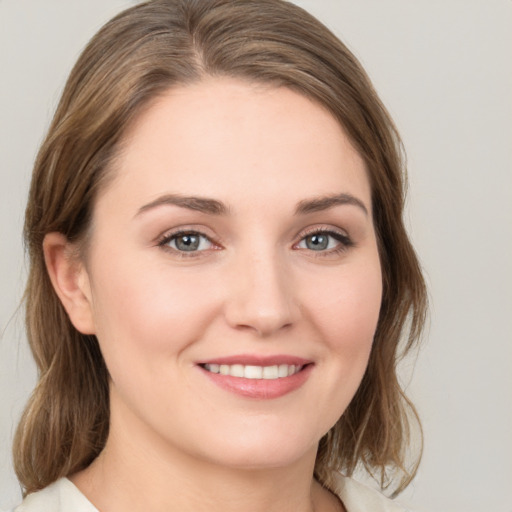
(444, 70)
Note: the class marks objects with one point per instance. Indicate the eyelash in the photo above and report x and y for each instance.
(169, 237)
(345, 242)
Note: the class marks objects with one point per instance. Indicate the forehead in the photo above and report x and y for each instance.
(240, 142)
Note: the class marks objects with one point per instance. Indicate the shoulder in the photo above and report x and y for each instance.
(61, 496)
(358, 497)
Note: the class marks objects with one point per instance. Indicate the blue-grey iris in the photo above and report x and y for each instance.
(187, 242)
(317, 242)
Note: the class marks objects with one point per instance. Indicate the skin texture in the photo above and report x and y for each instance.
(254, 287)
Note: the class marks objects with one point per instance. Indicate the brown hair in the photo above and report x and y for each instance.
(138, 55)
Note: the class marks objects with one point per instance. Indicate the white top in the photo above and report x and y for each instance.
(63, 496)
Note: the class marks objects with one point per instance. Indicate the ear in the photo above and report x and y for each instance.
(70, 281)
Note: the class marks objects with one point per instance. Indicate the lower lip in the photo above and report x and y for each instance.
(262, 389)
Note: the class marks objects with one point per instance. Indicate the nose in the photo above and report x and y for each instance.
(262, 296)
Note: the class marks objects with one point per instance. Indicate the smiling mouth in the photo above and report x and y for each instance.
(254, 372)
(258, 377)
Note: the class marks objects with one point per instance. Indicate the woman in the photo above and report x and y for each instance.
(219, 272)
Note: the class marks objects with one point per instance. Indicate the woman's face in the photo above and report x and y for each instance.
(233, 276)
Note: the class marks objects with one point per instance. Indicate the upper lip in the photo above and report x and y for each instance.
(258, 360)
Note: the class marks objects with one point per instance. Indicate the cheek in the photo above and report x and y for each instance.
(346, 308)
(340, 311)
(149, 316)
(345, 314)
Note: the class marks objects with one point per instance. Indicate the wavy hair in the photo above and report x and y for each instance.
(134, 58)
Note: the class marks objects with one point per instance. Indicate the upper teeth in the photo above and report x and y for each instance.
(254, 372)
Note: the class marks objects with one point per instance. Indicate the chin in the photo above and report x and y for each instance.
(255, 451)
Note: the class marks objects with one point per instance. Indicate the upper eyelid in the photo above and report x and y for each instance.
(322, 229)
(170, 233)
(343, 236)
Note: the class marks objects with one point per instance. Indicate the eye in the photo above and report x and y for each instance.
(325, 241)
(187, 241)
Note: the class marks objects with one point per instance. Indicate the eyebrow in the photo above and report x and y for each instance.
(324, 203)
(200, 204)
(214, 207)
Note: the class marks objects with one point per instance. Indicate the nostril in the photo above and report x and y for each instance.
(264, 325)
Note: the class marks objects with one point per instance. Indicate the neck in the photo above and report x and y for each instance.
(151, 475)
(145, 483)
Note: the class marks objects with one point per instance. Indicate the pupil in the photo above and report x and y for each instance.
(317, 242)
(187, 242)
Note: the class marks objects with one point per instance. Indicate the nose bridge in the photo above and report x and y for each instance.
(262, 296)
